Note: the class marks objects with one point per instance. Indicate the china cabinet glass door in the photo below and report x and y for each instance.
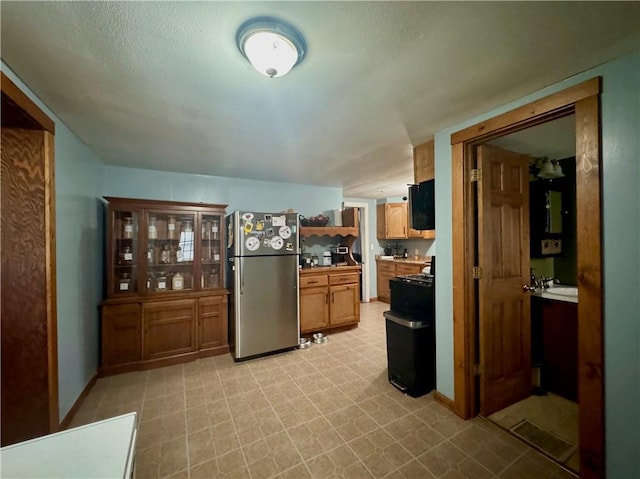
(169, 251)
(211, 254)
(125, 252)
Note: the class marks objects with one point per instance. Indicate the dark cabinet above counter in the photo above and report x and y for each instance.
(550, 213)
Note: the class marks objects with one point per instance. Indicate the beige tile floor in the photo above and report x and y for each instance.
(323, 412)
(551, 412)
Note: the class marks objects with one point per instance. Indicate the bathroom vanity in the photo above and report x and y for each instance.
(555, 313)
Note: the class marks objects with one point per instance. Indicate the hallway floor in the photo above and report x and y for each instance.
(326, 411)
(553, 414)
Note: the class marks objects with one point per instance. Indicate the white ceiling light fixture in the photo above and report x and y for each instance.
(272, 46)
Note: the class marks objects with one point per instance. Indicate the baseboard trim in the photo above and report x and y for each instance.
(445, 401)
(76, 405)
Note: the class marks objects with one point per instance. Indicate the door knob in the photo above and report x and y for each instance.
(528, 288)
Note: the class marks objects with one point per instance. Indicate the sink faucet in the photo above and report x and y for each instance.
(543, 282)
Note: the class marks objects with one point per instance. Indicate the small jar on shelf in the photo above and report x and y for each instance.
(215, 227)
(153, 228)
(172, 231)
(161, 282)
(127, 227)
(125, 256)
(150, 282)
(165, 254)
(150, 255)
(124, 283)
(177, 281)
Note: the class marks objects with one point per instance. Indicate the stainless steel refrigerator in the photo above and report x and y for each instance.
(263, 281)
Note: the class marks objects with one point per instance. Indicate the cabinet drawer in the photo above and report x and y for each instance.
(312, 281)
(404, 269)
(344, 278)
(385, 266)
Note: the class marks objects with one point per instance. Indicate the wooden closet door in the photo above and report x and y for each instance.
(28, 325)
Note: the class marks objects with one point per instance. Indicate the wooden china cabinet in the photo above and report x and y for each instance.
(165, 298)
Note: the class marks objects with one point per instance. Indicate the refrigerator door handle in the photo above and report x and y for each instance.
(241, 276)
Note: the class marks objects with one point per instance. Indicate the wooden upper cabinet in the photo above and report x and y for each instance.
(391, 220)
(424, 162)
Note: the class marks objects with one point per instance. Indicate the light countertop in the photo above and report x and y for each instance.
(102, 449)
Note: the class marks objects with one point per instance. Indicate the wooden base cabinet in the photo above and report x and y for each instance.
(329, 298)
(386, 271)
(314, 308)
(121, 334)
(147, 334)
(212, 322)
(169, 328)
(345, 304)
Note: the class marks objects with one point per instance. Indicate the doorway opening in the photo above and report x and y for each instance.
(474, 360)
(547, 417)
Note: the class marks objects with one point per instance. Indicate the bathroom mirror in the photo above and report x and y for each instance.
(553, 206)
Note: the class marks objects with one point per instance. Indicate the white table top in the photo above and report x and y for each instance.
(103, 449)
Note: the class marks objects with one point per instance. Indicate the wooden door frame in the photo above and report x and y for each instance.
(364, 242)
(35, 118)
(582, 100)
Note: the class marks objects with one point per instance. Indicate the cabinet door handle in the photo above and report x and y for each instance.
(312, 282)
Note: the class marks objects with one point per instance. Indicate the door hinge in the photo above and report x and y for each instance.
(477, 272)
(477, 370)
(476, 175)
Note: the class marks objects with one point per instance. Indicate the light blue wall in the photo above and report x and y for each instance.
(239, 194)
(620, 101)
(79, 244)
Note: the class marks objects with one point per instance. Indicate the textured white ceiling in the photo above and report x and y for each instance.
(162, 85)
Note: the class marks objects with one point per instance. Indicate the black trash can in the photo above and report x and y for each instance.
(411, 349)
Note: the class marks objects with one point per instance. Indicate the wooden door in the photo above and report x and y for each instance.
(121, 334)
(386, 271)
(169, 328)
(314, 309)
(212, 322)
(29, 332)
(503, 253)
(396, 220)
(345, 304)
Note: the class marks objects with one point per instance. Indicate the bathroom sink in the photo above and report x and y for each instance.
(564, 290)
(559, 292)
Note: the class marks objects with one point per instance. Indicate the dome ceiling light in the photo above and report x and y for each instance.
(272, 46)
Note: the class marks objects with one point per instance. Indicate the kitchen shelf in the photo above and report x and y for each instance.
(329, 231)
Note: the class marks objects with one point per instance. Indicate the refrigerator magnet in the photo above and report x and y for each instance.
(279, 220)
(248, 227)
(247, 216)
(266, 243)
(259, 225)
(277, 243)
(267, 218)
(289, 247)
(270, 232)
(252, 243)
(285, 232)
